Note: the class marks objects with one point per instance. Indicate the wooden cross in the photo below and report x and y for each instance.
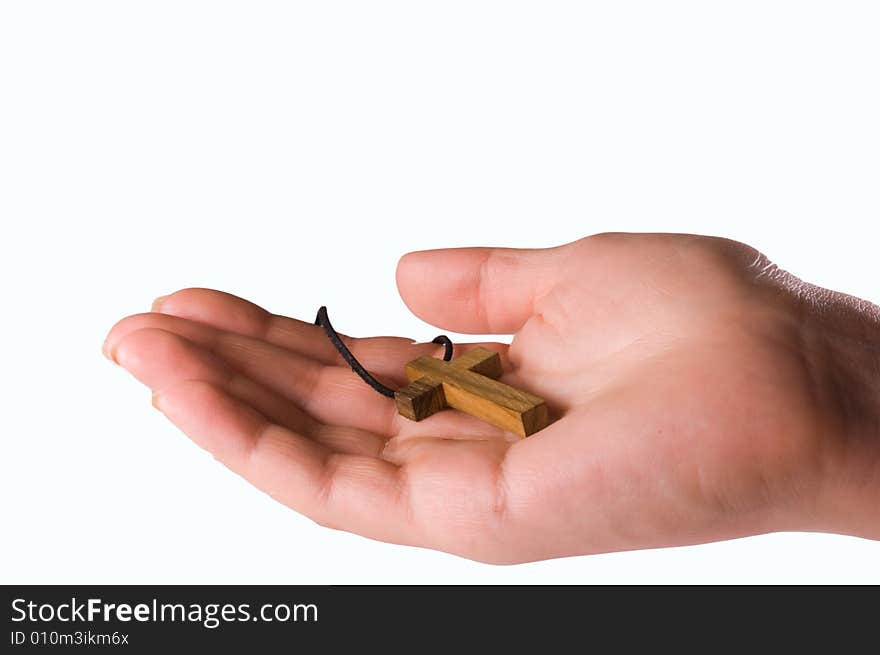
(468, 383)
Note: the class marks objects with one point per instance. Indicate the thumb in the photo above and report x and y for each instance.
(477, 290)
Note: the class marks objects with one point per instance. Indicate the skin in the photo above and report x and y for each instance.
(698, 393)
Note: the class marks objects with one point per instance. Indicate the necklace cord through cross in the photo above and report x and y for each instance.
(324, 321)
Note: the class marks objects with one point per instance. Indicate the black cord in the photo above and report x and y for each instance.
(324, 321)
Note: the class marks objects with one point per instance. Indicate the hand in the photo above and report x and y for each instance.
(699, 393)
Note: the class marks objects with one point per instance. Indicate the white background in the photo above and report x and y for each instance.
(290, 152)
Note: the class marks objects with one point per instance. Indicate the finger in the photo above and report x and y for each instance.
(383, 356)
(365, 495)
(476, 290)
(161, 359)
(330, 394)
(232, 314)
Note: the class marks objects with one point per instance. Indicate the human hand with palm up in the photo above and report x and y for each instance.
(697, 393)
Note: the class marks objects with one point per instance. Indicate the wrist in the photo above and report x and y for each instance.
(848, 333)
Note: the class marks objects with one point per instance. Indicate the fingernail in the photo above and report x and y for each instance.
(157, 304)
(105, 350)
(390, 451)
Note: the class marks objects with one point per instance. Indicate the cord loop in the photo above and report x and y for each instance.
(324, 321)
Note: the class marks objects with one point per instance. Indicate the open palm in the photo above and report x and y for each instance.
(680, 374)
